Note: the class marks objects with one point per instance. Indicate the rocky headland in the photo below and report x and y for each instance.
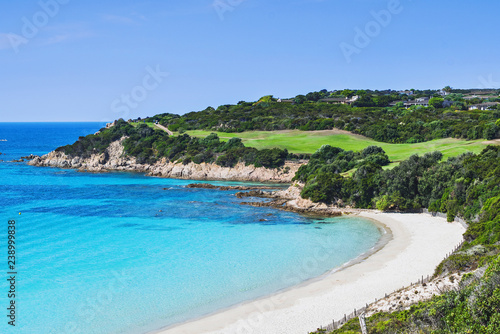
(114, 159)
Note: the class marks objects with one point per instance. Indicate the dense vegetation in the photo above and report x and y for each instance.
(392, 125)
(370, 115)
(458, 186)
(149, 145)
(467, 186)
(325, 184)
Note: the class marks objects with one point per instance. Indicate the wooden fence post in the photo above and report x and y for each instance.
(362, 323)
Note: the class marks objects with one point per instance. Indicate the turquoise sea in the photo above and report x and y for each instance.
(126, 253)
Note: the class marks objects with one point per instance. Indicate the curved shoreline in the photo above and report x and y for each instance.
(413, 252)
(386, 236)
(419, 242)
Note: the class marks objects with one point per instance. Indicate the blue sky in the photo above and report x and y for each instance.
(72, 60)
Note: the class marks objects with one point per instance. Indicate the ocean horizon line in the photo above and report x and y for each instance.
(33, 122)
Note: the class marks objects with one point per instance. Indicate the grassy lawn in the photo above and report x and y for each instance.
(309, 141)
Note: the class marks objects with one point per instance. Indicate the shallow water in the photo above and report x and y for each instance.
(126, 253)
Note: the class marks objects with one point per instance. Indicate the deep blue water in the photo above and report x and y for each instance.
(126, 253)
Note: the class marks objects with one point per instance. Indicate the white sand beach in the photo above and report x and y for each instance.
(419, 243)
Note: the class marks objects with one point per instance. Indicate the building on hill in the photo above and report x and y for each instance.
(470, 97)
(334, 100)
(340, 100)
(483, 106)
(475, 96)
(421, 101)
(394, 103)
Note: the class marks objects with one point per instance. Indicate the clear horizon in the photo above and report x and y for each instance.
(65, 61)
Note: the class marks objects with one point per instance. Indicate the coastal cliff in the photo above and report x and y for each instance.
(114, 159)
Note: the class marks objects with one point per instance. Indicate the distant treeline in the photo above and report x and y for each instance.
(149, 145)
(384, 124)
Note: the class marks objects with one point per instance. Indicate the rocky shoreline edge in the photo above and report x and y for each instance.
(288, 199)
(114, 159)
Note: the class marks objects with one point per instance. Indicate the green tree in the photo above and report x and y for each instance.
(266, 99)
(299, 99)
(313, 96)
(436, 102)
(326, 188)
(347, 93)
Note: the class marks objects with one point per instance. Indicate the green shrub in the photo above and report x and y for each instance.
(149, 145)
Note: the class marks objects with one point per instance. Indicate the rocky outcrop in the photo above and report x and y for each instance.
(254, 193)
(110, 125)
(283, 205)
(115, 159)
(23, 159)
(240, 172)
(112, 159)
(290, 200)
(211, 186)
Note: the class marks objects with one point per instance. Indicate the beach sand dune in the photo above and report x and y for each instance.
(418, 244)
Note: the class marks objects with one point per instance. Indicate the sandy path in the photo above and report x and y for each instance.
(164, 128)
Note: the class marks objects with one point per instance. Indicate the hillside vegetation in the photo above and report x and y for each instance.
(467, 186)
(371, 116)
(457, 186)
(149, 146)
